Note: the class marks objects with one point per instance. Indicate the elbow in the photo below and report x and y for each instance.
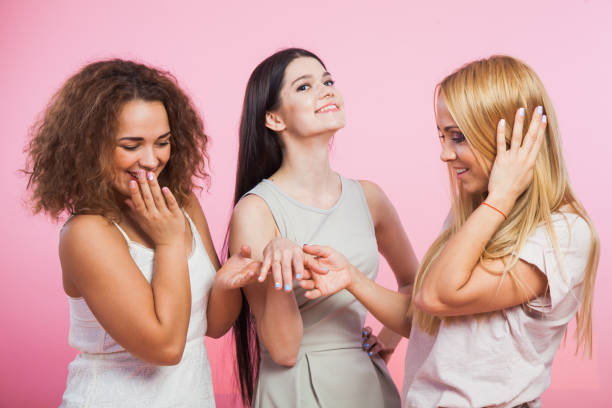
(170, 355)
(217, 332)
(429, 303)
(285, 359)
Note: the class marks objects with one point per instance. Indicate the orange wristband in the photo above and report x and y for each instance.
(490, 206)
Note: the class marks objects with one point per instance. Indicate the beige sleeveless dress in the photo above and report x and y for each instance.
(332, 370)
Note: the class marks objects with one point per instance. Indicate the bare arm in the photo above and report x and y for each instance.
(149, 320)
(457, 282)
(394, 245)
(225, 300)
(279, 323)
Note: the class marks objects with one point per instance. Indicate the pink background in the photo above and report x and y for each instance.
(386, 58)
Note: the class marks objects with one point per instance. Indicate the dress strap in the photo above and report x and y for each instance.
(122, 232)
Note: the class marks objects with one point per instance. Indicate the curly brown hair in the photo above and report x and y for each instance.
(70, 153)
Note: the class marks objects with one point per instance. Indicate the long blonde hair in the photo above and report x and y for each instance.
(478, 95)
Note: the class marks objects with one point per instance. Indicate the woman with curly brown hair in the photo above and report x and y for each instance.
(118, 149)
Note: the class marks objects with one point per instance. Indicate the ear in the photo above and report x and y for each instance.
(275, 122)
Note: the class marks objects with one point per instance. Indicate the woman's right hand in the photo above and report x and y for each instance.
(156, 211)
(286, 260)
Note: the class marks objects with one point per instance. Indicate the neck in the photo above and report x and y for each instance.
(306, 167)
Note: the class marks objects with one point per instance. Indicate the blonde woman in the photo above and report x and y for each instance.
(516, 262)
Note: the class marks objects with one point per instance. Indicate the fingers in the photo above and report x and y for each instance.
(245, 251)
(501, 137)
(248, 275)
(145, 191)
(314, 265)
(171, 202)
(287, 271)
(277, 270)
(298, 262)
(266, 264)
(517, 132)
(532, 132)
(137, 201)
(307, 284)
(366, 331)
(313, 294)
(317, 250)
(539, 139)
(158, 198)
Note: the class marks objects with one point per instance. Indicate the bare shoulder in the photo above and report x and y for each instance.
(82, 230)
(378, 202)
(252, 224)
(252, 208)
(195, 212)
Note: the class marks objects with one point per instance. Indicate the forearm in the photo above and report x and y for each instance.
(172, 294)
(453, 267)
(223, 308)
(388, 307)
(280, 325)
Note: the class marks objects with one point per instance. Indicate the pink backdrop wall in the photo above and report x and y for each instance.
(386, 58)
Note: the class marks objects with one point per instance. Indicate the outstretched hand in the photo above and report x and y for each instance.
(238, 271)
(327, 271)
(512, 170)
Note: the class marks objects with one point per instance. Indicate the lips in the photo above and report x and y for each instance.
(133, 174)
(330, 107)
(461, 171)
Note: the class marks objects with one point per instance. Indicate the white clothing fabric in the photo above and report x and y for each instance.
(503, 360)
(105, 375)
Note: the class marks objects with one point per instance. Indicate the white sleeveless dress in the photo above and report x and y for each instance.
(105, 375)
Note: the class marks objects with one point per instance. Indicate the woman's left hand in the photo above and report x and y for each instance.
(372, 345)
(512, 170)
(238, 271)
(327, 271)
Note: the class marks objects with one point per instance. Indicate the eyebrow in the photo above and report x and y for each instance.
(446, 129)
(309, 76)
(137, 139)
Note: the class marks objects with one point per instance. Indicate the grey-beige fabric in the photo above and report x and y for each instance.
(332, 370)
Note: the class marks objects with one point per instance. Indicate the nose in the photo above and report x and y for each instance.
(448, 153)
(149, 160)
(326, 91)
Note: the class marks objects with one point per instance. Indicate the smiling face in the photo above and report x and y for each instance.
(310, 104)
(457, 153)
(142, 142)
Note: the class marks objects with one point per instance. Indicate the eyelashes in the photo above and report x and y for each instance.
(132, 148)
(306, 86)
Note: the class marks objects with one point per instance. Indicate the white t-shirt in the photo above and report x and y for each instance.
(504, 359)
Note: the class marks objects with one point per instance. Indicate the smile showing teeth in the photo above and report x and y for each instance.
(133, 174)
(328, 108)
(461, 171)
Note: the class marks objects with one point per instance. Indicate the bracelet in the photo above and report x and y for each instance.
(490, 206)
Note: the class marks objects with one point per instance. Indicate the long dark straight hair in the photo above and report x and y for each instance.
(260, 155)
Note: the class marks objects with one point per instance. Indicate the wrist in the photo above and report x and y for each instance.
(354, 279)
(504, 204)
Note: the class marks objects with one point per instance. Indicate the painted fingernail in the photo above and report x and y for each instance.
(261, 279)
(150, 175)
(370, 353)
(140, 172)
(277, 285)
(364, 333)
(544, 119)
(287, 287)
(539, 109)
(298, 276)
(367, 345)
(502, 122)
(522, 112)
(132, 183)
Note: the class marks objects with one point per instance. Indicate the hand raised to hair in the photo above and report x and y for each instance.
(512, 170)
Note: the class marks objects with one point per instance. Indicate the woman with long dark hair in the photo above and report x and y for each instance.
(292, 351)
(117, 152)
